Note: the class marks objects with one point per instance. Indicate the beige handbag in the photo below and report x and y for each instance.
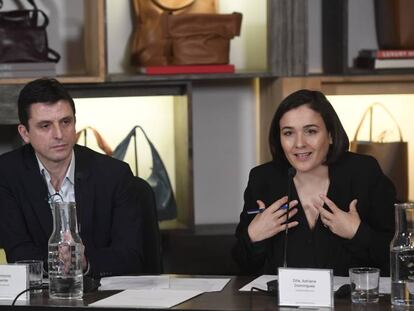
(392, 156)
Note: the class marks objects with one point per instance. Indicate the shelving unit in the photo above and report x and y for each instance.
(94, 69)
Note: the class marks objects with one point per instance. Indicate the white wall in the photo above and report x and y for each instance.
(224, 148)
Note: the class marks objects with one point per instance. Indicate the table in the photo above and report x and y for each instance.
(229, 299)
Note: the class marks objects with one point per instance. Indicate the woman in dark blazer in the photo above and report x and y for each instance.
(341, 212)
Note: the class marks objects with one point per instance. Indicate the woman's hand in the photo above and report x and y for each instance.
(272, 220)
(343, 224)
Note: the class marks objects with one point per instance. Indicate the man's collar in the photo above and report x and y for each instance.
(70, 173)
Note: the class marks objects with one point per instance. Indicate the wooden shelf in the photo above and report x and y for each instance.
(187, 77)
(94, 48)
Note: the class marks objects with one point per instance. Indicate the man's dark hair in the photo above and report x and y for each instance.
(318, 102)
(44, 90)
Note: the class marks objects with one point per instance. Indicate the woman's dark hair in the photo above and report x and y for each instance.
(318, 102)
(44, 90)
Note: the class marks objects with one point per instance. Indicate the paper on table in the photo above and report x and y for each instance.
(162, 282)
(203, 284)
(339, 281)
(260, 282)
(384, 283)
(155, 298)
(135, 282)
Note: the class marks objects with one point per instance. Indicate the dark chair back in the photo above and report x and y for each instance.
(152, 238)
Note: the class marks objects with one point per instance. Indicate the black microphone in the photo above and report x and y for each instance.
(273, 286)
(291, 174)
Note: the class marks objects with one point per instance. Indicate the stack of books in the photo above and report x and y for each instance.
(186, 69)
(27, 70)
(385, 59)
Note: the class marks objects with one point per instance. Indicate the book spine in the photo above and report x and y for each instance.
(384, 54)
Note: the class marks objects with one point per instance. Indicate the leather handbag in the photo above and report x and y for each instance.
(394, 24)
(200, 37)
(102, 144)
(391, 156)
(158, 179)
(23, 36)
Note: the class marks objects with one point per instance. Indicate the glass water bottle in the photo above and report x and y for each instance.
(64, 259)
(402, 256)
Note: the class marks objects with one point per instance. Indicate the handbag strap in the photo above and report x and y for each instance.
(172, 9)
(120, 150)
(370, 110)
(99, 139)
(32, 2)
(53, 56)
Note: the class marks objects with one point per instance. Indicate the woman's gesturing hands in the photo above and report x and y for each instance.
(272, 220)
(343, 224)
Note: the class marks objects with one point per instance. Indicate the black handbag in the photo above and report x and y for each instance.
(158, 180)
(23, 36)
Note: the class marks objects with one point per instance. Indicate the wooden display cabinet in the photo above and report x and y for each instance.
(94, 58)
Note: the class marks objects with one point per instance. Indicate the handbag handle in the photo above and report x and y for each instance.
(99, 139)
(120, 150)
(370, 111)
(32, 2)
(172, 9)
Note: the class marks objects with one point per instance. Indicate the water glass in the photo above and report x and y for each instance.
(35, 273)
(364, 284)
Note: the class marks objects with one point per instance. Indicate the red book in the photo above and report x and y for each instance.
(387, 54)
(395, 54)
(168, 70)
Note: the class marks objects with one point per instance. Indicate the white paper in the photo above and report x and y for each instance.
(339, 281)
(156, 298)
(163, 282)
(385, 285)
(202, 284)
(260, 282)
(135, 282)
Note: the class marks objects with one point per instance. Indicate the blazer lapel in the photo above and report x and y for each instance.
(84, 193)
(36, 190)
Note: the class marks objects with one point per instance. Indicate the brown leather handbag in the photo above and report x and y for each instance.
(200, 39)
(154, 44)
(391, 156)
(395, 24)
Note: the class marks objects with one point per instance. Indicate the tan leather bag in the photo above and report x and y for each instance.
(391, 156)
(200, 39)
(395, 24)
(102, 144)
(149, 44)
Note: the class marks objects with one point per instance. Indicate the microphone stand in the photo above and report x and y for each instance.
(291, 174)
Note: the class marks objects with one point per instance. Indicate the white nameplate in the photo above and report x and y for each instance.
(305, 287)
(14, 279)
